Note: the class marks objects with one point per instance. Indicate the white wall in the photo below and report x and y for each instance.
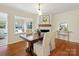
(72, 19)
(11, 17)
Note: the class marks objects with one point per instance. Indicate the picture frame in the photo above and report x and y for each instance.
(45, 19)
(63, 27)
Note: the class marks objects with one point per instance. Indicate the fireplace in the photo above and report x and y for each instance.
(44, 30)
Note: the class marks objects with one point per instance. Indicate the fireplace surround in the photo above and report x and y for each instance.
(45, 27)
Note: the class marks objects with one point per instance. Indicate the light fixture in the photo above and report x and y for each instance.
(39, 11)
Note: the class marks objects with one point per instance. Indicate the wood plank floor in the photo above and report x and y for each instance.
(18, 49)
(65, 48)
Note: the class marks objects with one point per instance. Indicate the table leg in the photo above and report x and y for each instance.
(30, 49)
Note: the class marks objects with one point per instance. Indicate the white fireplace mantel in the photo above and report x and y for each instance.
(45, 27)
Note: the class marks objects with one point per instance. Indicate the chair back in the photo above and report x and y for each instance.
(47, 42)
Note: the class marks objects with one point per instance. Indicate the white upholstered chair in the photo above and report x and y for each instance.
(43, 48)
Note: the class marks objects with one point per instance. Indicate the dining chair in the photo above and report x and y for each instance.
(43, 48)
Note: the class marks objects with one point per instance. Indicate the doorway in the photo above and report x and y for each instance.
(3, 29)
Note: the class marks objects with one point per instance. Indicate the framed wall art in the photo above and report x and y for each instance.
(63, 27)
(45, 19)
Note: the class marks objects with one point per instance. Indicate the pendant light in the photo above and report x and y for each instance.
(39, 11)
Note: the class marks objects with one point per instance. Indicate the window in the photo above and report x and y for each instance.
(29, 25)
(22, 24)
(2, 24)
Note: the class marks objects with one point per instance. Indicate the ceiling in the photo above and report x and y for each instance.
(46, 8)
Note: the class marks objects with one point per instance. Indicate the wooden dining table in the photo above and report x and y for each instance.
(31, 40)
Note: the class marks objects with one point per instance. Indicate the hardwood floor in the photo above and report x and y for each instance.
(65, 48)
(62, 49)
(17, 49)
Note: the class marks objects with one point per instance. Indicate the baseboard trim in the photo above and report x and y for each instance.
(15, 42)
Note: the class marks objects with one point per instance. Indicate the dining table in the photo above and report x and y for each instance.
(31, 39)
